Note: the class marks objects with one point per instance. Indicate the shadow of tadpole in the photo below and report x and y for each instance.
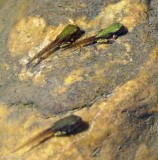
(83, 127)
(123, 31)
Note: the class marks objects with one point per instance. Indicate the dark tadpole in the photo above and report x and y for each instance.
(69, 125)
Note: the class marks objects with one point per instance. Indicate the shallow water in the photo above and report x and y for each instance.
(2, 3)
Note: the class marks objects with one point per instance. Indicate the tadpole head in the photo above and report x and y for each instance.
(70, 125)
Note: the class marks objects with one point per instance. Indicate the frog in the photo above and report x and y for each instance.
(68, 35)
(65, 126)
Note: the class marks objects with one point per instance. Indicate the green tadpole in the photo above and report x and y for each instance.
(65, 126)
(106, 35)
(69, 34)
(112, 30)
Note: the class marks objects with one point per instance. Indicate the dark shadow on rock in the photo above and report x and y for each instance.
(122, 32)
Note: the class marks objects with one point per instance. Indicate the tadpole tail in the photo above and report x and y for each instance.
(41, 137)
(44, 50)
(83, 43)
(45, 56)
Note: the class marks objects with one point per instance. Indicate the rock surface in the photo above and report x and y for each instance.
(112, 87)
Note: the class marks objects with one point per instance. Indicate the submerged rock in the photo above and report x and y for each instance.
(113, 87)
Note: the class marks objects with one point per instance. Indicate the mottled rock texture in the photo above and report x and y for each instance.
(113, 87)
